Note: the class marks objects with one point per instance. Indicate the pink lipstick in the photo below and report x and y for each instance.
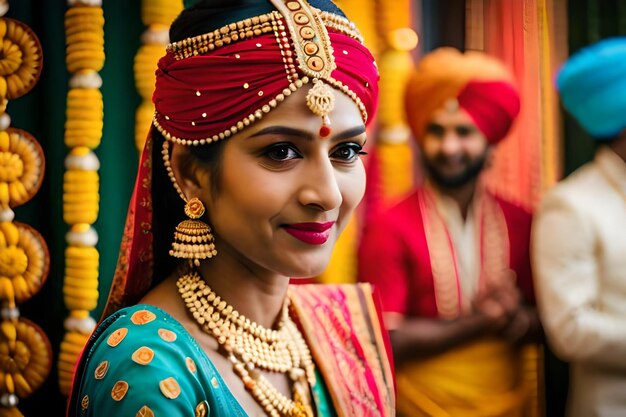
(311, 233)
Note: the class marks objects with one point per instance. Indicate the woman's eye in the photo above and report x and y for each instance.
(348, 152)
(281, 152)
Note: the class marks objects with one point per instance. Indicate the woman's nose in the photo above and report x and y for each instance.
(320, 187)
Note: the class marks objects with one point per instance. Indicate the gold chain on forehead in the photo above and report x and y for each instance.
(315, 55)
(309, 37)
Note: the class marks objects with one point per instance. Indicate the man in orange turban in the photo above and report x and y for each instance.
(451, 261)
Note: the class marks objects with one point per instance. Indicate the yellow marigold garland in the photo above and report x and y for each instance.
(22, 165)
(25, 353)
(364, 15)
(24, 261)
(160, 12)
(26, 357)
(20, 65)
(83, 125)
(157, 15)
(84, 30)
(395, 63)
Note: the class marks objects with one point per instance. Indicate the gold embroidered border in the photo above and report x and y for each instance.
(442, 261)
(340, 24)
(329, 335)
(495, 242)
(233, 32)
(250, 28)
(240, 125)
(309, 38)
(494, 250)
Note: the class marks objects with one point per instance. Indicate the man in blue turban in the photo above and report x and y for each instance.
(579, 238)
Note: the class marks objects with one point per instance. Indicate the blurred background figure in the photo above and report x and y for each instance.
(578, 238)
(451, 261)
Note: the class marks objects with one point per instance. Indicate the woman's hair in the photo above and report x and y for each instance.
(167, 206)
(208, 15)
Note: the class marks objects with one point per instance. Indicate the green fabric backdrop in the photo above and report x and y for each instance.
(42, 113)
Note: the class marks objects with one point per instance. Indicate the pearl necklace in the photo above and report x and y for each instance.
(251, 347)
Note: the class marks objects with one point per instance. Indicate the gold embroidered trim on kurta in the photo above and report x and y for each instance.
(494, 249)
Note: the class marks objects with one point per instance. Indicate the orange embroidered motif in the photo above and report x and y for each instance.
(101, 370)
(85, 403)
(142, 317)
(214, 382)
(191, 365)
(117, 337)
(143, 355)
(119, 390)
(202, 409)
(170, 388)
(145, 411)
(167, 335)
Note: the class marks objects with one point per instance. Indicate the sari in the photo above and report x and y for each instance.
(141, 361)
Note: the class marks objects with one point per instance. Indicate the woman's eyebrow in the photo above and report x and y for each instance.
(290, 131)
(283, 130)
(350, 133)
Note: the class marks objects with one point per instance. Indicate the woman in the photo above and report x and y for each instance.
(260, 120)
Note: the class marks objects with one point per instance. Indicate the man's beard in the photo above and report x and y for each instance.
(470, 173)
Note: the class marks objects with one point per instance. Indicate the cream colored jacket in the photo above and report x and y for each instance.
(579, 261)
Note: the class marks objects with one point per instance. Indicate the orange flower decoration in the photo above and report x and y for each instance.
(20, 59)
(142, 317)
(24, 260)
(117, 337)
(143, 355)
(101, 370)
(167, 335)
(22, 166)
(145, 411)
(25, 356)
(170, 388)
(119, 390)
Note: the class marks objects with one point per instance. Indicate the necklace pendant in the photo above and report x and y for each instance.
(252, 349)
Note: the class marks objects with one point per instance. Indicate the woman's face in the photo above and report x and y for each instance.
(285, 193)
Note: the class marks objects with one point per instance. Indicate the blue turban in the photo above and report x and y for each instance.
(592, 84)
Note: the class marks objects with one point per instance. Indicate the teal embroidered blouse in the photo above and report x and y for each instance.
(144, 363)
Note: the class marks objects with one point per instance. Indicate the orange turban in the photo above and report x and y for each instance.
(481, 84)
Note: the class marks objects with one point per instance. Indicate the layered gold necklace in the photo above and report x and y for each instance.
(252, 348)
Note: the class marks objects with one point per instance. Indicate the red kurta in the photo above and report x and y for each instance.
(394, 256)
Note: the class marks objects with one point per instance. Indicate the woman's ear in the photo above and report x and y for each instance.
(191, 177)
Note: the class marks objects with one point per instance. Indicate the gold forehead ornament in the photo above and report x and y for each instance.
(315, 55)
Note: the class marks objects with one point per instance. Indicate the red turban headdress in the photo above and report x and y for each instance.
(480, 84)
(214, 85)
